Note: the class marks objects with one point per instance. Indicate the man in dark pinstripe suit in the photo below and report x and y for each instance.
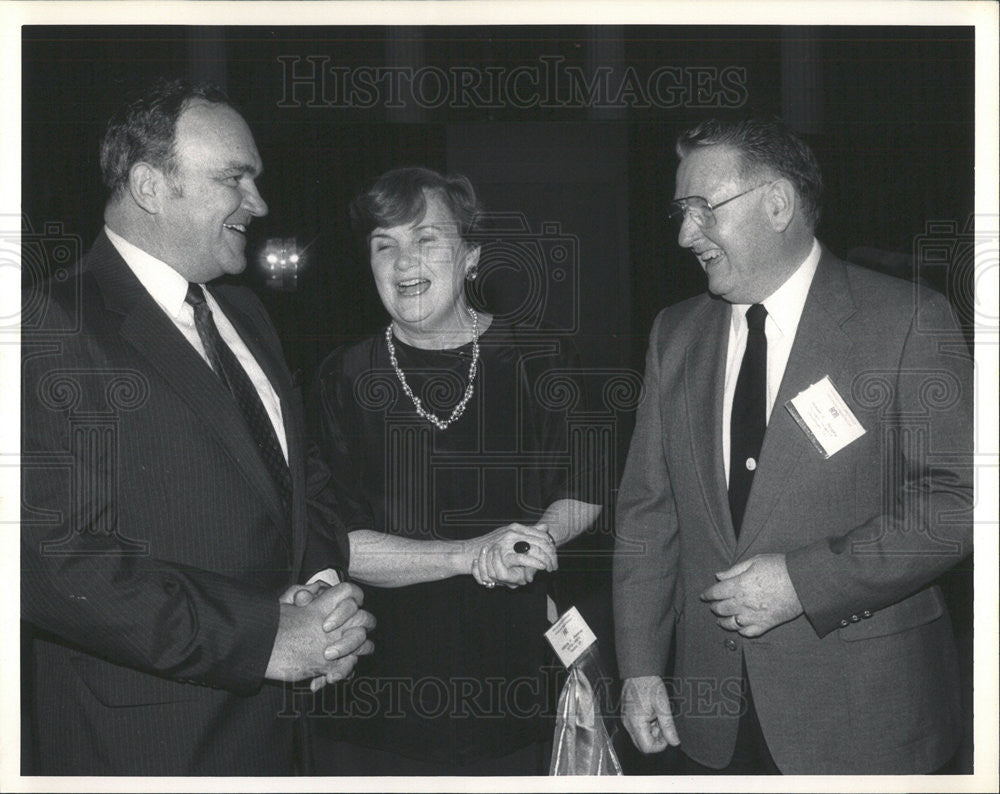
(159, 548)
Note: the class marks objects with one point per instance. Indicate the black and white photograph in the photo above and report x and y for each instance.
(476, 396)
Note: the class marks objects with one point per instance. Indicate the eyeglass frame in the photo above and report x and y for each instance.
(679, 209)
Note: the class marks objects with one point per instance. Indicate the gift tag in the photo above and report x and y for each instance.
(570, 636)
(824, 417)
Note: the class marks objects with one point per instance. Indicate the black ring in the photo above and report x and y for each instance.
(522, 547)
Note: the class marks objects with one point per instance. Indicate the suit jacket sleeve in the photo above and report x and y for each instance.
(94, 591)
(925, 526)
(334, 481)
(646, 544)
(328, 545)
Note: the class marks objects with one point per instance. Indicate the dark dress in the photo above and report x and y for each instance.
(460, 672)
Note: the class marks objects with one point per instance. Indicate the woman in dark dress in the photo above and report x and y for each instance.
(450, 452)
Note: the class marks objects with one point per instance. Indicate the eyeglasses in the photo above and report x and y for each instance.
(700, 210)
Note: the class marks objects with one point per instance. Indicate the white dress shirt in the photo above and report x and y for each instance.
(169, 288)
(784, 309)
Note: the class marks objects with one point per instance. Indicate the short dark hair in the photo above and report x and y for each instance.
(145, 129)
(397, 197)
(764, 144)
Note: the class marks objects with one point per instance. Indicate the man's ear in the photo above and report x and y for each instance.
(147, 186)
(780, 204)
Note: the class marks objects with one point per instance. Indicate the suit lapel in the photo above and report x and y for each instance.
(152, 334)
(704, 381)
(821, 347)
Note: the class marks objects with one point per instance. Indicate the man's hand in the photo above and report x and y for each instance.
(754, 596)
(646, 714)
(320, 638)
(301, 594)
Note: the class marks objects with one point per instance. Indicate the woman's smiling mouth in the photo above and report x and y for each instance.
(412, 287)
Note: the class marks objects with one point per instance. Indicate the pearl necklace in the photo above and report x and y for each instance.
(440, 424)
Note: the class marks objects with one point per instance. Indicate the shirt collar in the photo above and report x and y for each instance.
(784, 305)
(167, 287)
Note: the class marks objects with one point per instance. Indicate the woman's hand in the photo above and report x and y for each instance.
(489, 570)
(496, 562)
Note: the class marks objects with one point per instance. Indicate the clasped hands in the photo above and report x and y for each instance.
(494, 560)
(322, 631)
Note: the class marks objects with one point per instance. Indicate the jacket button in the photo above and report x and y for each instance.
(731, 644)
(844, 623)
(855, 618)
(866, 614)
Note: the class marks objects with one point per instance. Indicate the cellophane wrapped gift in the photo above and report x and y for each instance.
(581, 745)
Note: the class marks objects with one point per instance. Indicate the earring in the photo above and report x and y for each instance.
(473, 272)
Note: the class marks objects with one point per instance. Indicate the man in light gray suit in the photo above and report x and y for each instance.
(789, 549)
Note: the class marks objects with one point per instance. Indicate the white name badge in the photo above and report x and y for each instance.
(824, 417)
(570, 636)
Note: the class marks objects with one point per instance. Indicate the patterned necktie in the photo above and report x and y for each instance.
(232, 374)
(749, 417)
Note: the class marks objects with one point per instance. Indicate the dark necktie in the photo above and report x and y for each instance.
(749, 417)
(232, 374)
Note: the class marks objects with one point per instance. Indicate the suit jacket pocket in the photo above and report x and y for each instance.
(116, 686)
(917, 610)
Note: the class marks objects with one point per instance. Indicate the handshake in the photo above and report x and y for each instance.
(322, 631)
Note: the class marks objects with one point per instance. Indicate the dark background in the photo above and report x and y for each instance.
(889, 112)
